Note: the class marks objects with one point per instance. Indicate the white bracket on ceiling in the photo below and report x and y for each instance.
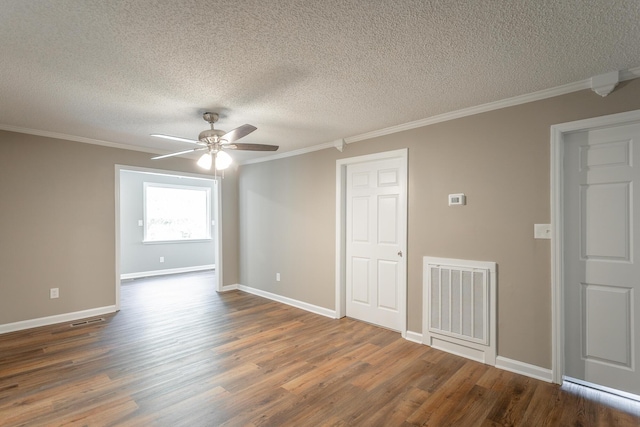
(604, 83)
(339, 144)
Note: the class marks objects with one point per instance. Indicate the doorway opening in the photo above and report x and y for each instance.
(166, 223)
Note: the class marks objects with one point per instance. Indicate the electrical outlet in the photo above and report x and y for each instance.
(161, 259)
(54, 293)
(277, 277)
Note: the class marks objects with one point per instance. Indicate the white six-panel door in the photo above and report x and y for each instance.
(602, 272)
(376, 241)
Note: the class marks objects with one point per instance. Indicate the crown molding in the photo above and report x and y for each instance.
(82, 139)
(293, 153)
(629, 74)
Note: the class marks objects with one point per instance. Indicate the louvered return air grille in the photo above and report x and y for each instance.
(458, 302)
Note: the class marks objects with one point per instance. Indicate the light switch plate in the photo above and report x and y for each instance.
(140, 223)
(542, 231)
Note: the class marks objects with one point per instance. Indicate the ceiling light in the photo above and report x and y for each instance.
(223, 160)
(205, 161)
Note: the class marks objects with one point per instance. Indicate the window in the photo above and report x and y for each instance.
(174, 213)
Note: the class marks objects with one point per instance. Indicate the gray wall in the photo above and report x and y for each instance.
(499, 159)
(57, 223)
(136, 256)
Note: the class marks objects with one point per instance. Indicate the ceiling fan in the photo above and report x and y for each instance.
(215, 141)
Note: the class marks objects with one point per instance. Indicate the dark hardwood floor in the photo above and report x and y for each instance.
(179, 354)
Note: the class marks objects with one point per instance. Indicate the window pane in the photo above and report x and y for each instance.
(175, 213)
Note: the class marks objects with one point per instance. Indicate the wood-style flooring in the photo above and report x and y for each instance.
(179, 354)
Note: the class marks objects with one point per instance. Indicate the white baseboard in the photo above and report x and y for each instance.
(58, 318)
(152, 273)
(413, 337)
(226, 288)
(507, 364)
(522, 368)
(289, 301)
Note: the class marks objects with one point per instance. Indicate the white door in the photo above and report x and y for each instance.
(376, 214)
(602, 274)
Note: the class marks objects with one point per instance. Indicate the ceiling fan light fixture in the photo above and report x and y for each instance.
(223, 160)
(205, 161)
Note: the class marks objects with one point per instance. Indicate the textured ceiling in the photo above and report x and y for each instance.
(303, 72)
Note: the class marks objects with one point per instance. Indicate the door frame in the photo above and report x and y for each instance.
(557, 232)
(341, 226)
(216, 216)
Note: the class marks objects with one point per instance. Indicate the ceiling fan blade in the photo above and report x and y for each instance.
(178, 153)
(237, 133)
(175, 138)
(251, 147)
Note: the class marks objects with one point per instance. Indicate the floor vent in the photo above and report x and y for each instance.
(460, 307)
(87, 322)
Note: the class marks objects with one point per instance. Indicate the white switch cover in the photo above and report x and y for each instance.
(542, 231)
(54, 293)
(140, 223)
(161, 259)
(277, 277)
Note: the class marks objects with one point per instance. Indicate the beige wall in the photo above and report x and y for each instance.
(57, 223)
(499, 159)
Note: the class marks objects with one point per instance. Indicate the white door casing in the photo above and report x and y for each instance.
(596, 206)
(371, 239)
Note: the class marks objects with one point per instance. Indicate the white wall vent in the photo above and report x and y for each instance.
(459, 300)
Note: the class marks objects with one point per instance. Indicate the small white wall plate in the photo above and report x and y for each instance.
(541, 231)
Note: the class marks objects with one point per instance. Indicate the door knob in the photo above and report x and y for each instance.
(399, 253)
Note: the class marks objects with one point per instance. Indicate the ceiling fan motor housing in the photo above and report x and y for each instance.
(211, 136)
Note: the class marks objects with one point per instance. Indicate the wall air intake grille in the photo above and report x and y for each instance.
(460, 307)
(459, 302)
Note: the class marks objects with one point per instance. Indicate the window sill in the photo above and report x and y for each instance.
(165, 242)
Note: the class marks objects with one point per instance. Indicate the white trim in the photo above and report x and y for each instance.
(415, 337)
(117, 170)
(504, 363)
(217, 236)
(167, 271)
(525, 369)
(227, 288)
(56, 135)
(557, 232)
(629, 74)
(58, 318)
(341, 215)
(293, 153)
(341, 178)
(459, 348)
(289, 301)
